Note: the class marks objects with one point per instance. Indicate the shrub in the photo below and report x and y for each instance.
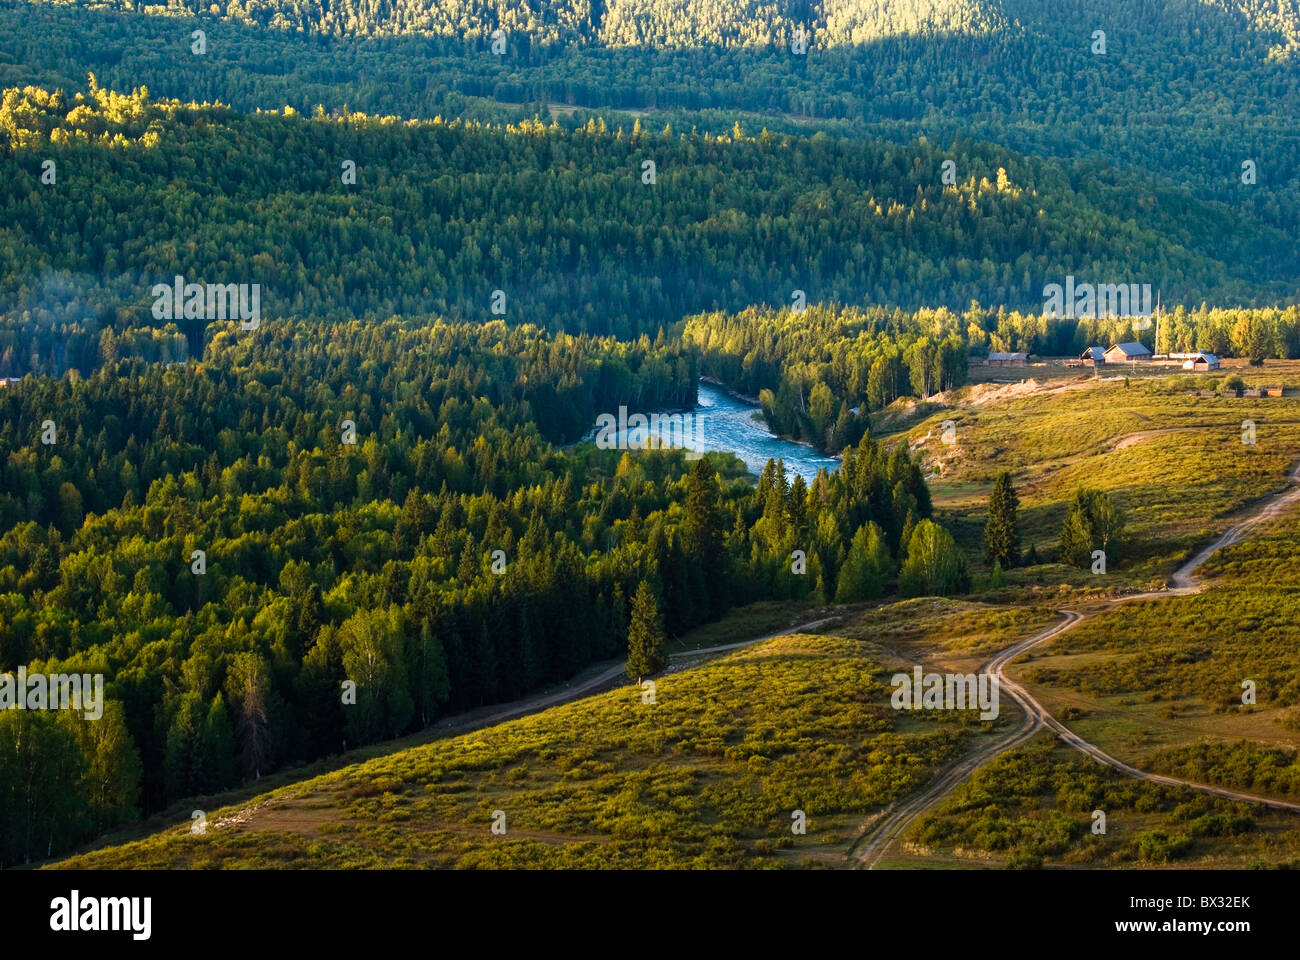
(1156, 846)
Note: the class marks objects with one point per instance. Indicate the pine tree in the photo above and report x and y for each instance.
(645, 635)
(432, 688)
(702, 531)
(217, 750)
(798, 506)
(997, 578)
(617, 619)
(1001, 538)
(181, 754)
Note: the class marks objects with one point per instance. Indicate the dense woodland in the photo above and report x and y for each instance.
(1183, 95)
(818, 371)
(371, 561)
(444, 213)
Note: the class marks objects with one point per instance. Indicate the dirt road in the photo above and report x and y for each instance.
(871, 846)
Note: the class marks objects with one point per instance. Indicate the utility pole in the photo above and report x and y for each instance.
(1156, 351)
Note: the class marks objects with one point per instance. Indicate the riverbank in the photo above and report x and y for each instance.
(736, 394)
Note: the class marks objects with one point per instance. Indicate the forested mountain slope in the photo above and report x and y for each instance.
(1185, 92)
(564, 224)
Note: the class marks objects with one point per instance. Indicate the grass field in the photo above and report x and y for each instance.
(709, 775)
(1034, 807)
(1175, 464)
(1160, 683)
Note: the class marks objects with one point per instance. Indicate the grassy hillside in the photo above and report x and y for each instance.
(707, 776)
(1157, 683)
(1173, 462)
(1034, 807)
(1160, 683)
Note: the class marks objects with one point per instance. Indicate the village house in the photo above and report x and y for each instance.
(1093, 356)
(1201, 362)
(1128, 353)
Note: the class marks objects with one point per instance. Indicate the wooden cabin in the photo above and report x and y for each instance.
(1128, 353)
(1201, 362)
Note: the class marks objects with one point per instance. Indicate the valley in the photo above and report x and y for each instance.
(648, 436)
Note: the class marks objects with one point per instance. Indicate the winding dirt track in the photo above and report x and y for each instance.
(871, 846)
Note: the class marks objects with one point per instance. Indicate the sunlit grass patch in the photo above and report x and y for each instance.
(709, 775)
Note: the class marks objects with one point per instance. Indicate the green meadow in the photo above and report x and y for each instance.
(709, 775)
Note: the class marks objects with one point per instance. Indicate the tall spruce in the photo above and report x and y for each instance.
(1001, 538)
(702, 532)
(645, 634)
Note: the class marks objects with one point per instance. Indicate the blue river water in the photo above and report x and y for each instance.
(723, 422)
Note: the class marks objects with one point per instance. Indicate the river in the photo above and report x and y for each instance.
(723, 422)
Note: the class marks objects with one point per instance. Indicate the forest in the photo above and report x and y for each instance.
(475, 227)
(371, 559)
(537, 224)
(1183, 95)
(818, 371)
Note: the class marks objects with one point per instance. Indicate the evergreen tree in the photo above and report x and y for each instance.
(432, 688)
(645, 635)
(182, 762)
(1001, 537)
(217, 753)
(702, 530)
(798, 508)
(618, 621)
(319, 691)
